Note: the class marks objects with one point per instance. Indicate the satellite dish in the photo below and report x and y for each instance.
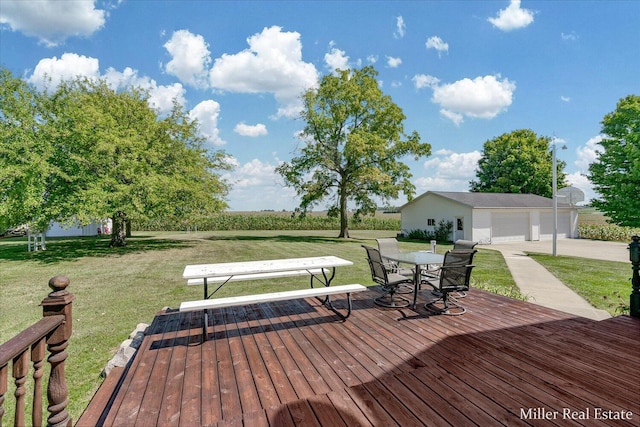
(572, 195)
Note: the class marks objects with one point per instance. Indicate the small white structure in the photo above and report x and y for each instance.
(490, 217)
(94, 229)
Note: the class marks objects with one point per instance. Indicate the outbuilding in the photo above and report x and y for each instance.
(490, 217)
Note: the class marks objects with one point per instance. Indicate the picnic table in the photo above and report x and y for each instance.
(321, 269)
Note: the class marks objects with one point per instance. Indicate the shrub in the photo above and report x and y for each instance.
(442, 233)
(610, 232)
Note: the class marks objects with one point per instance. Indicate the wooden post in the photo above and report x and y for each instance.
(56, 303)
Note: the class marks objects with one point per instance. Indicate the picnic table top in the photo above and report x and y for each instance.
(199, 271)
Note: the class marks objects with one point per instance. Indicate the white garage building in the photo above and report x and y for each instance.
(490, 217)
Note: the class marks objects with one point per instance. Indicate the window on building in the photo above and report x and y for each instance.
(431, 222)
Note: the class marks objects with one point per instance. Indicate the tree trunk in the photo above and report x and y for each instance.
(128, 227)
(344, 225)
(118, 233)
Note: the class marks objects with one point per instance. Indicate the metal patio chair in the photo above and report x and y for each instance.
(455, 274)
(390, 245)
(389, 281)
(464, 244)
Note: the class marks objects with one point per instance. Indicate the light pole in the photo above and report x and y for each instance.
(555, 194)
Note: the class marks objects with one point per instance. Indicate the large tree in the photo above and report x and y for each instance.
(616, 172)
(352, 146)
(24, 165)
(116, 158)
(517, 162)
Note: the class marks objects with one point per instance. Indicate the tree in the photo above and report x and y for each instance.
(517, 162)
(352, 144)
(616, 172)
(117, 159)
(24, 165)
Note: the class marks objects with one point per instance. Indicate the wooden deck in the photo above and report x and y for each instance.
(290, 363)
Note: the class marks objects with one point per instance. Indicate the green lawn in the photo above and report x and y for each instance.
(605, 284)
(118, 288)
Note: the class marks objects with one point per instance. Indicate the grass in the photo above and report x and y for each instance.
(606, 285)
(117, 288)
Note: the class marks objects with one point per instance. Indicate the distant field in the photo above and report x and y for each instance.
(591, 216)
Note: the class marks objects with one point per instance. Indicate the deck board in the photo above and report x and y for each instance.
(294, 363)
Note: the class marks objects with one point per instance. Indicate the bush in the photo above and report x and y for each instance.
(442, 233)
(610, 232)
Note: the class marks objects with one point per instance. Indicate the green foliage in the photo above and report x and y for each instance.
(24, 155)
(442, 233)
(610, 232)
(616, 172)
(517, 162)
(353, 140)
(87, 152)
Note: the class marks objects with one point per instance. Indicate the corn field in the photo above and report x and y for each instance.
(275, 221)
(609, 232)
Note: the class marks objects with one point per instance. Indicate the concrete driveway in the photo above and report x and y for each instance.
(582, 248)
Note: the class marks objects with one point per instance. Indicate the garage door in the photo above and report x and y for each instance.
(564, 225)
(507, 227)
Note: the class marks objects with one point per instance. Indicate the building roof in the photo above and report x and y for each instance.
(494, 200)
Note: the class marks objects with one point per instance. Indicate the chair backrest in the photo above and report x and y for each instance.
(464, 244)
(378, 272)
(388, 245)
(456, 270)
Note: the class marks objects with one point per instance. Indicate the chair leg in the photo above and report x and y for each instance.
(445, 305)
(388, 300)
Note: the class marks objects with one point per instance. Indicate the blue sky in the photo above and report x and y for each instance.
(463, 72)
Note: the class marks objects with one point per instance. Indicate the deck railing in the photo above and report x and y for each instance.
(54, 331)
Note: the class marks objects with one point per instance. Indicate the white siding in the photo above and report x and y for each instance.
(415, 215)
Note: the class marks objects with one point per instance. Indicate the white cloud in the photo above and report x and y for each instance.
(565, 99)
(190, 58)
(569, 37)
(52, 21)
(258, 177)
(372, 59)
(587, 154)
(336, 59)
(393, 62)
(250, 130)
(448, 171)
(438, 44)
(161, 97)
(424, 80)
(272, 64)
(512, 17)
(400, 28)
(49, 72)
(483, 97)
(207, 113)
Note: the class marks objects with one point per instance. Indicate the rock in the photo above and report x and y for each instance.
(127, 349)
